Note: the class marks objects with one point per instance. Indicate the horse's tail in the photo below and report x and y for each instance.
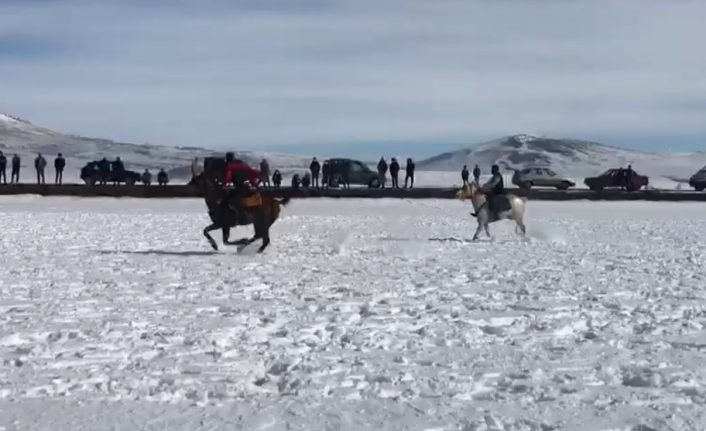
(283, 201)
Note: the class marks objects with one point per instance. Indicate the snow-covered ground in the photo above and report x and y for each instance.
(364, 314)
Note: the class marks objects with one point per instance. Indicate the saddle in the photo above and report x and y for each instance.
(252, 202)
(496, 204)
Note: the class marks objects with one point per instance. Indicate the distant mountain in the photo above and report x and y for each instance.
(571, 157)
(18, 136)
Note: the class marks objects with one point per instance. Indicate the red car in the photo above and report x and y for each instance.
(617, 178)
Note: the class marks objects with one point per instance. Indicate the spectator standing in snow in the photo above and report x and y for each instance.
(147, 177)
(296, 182)
(628, 177)
(476, 175)
(464, 175)
(15, 176)
(277, 178)
(394, 173)
(162, 177)
(39, 165)
(315, 169)
(3, 168)
(265, 171)
(382, 171)
(118, 169)
(306, 181)
(410, 173)
(325, 173)
(104, 171)
(59, 165)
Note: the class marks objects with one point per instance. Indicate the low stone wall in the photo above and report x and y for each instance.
(183, 191)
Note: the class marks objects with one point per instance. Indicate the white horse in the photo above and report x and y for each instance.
(483, 214)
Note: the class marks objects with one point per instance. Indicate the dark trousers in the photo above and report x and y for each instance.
(40, 176)
(315, 179)
(15, 176)
(465, 180)
(395, 181)
(407, 178)
(476, 179)
(3, 174)
(59, 176)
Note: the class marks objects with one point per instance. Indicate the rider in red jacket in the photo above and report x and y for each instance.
(236, 169)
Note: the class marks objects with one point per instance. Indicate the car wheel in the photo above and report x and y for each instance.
(130, 181)
(526, 185)
(89, 181)
(700, 188)
(563, 186)
(596, 188)
(374, 183)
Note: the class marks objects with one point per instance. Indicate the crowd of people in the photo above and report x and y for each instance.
(322, 175)
(102, 167)
(40, 165)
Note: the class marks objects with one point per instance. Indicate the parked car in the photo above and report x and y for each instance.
(357, 172)
(91, 175)
(616, 178)
(698, 180)
(540, 177)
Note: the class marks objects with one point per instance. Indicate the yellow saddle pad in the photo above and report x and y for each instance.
(253, 201)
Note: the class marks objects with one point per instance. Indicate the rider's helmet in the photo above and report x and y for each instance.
(495, 169)
(230, 156)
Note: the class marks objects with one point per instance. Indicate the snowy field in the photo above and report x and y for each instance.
(364, 314)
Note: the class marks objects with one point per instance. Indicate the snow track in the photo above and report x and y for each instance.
(362, 315)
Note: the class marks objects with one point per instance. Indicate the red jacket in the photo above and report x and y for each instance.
(245, 171)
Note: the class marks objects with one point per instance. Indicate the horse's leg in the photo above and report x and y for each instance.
(478, 229)
(487, 232)
(210, 239)
(265, 237)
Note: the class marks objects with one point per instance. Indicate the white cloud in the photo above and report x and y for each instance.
(256, 74)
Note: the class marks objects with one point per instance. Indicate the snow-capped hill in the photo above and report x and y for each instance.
(18, 136)
(571, 157)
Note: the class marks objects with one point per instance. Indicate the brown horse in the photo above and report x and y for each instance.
(224, 214)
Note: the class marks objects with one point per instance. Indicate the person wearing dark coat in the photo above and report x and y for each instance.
(265, 171)
(277, 178)
(147, 177)
(315, 168)
(464, 175)
(394, 173)
(628, 177)
(40, 164)
(382, 171)
(15, 176)
(162, 177)
(325, 173)
(104, 171)
(118, 168)
(476, 175)
(306, 181)
(296, 182)
(3, 168)
(410, 173)
(494, 188)
(59, 165)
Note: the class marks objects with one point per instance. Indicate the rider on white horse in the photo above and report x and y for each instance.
(493, 188)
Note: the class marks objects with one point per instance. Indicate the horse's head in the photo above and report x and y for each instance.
(468, 191)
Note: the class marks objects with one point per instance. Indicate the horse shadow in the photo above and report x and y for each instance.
(160, 252)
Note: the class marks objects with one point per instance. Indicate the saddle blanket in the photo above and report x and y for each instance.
(253, 201)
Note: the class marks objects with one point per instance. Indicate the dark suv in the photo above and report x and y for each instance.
(91, 175)
(698, 180)
(354, 171)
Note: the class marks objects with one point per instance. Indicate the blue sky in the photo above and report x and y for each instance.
(358, 77)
